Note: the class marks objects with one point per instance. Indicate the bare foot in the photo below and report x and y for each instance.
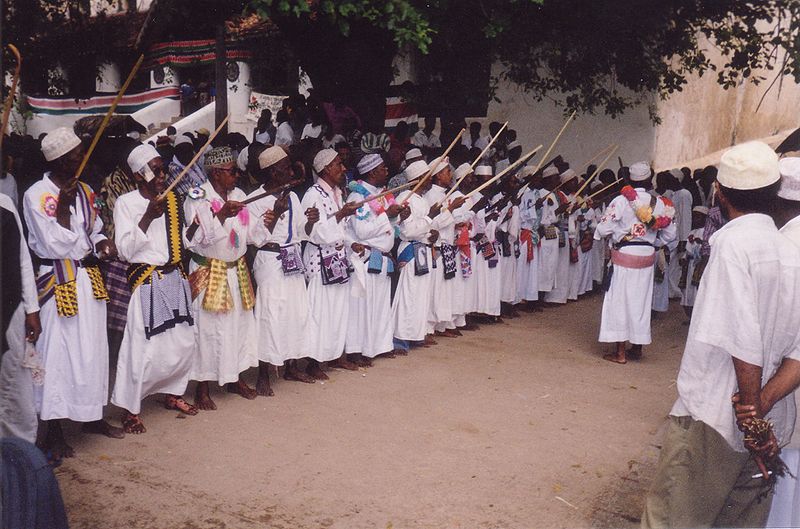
(447, 333)
(263, 387)
(401, 352)
(54, 446)
(390, 354)
(297, 376)
(240, 388)
(175, 402)
(315, 371)
(103, 428)
(202, 400)
(611, 357)
(429, 341)
(471, 326)
(343, 363)
(457, 332)
(360, 360)
(635, 352)
(131, 423)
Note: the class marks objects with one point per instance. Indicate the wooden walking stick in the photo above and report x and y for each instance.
(384, 193)
(10, 98)
(434, 167)
(107, 118)
(196, 157)
(597, 170)
(474, 163)
(502, 173)
(612, 184)
(272, 191)
(549, 150)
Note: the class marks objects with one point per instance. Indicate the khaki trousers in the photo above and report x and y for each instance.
(702, 482)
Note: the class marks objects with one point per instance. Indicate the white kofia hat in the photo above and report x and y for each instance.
(59, 142)
(568, 175)
(483, 170)
(368, 163)
(242, 159)
(139, 157)
(416, 170)
(549, 171)
(463, 170)
(790, 178)
(323, 159)
(183, 138)
(413, 153)
(439, 166)
(700, 209)
(270, 156)
(640, 171)
(747, 166)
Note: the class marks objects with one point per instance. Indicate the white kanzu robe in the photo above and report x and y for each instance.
(225, 342)
(281, 300)
(549, 250)
(463, 295)
(74, 350)
(528, 271)
(161, 364)
(17, 407)
(508, 263)
(329, 305)
(565, 269)
(626, 305)
(440, 315)
(369, 328)
(413, 295)
(692, 256)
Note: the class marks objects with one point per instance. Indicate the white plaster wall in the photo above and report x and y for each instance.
(238, 100)
(538, 122)
(109, 79)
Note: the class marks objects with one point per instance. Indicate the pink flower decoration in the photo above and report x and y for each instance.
(216, 205)
(629, 193)
(233, 238)
(638, 230)
(244, 216)
(49, 205)
(662, 222)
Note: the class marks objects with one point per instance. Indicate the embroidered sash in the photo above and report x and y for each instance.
(212, 276)
(139, 273)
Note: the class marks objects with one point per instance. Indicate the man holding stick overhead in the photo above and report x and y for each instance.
(64, 231)
(549, 230)
(465, 290)
(565, 269)
(369, 328)
(529, 239)
(636, 222)
(223, 297)
(413, 295)
(327, 264)
(158, 347)
(281, 309)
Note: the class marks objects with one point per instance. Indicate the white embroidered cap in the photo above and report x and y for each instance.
(242, 159)
(413, 153)
(441, 165)
(368, 163)
(790, 178)
(483, 170)
(323, 159)
(139, 158)
(550, 170)
(700, 209)
(750, 165)
(568, 175)
(416, 170)
(640, 171)
(183, 138)
(270, 156)
(462, 170)
(59, 142)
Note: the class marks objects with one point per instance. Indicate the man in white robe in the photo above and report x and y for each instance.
(411, 304)
(158, 346)
(276, 230)
(464, 301)
(507, 236)
(682, 202)
(21, 327)
(627, 303)
(690, 259)
(64, 231)
(529, 241)
(440, 318)
(549, 253)
(223, 298)
(369, 329)
(425, 139)
(745, 324)
(565, 267)
(327, 264)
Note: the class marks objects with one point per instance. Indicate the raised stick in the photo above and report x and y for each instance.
(499, 175)
(599, 153)
(615, 182)
(278, 189)
(597, 170)
(474, 163)
(549, 150)
(384, 193)
(193, 160)
(107, 118)
(10, 99)
(435, 166)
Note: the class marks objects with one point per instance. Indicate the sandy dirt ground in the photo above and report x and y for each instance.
(518, 425)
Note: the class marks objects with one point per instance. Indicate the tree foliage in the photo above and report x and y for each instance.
(601, 55)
